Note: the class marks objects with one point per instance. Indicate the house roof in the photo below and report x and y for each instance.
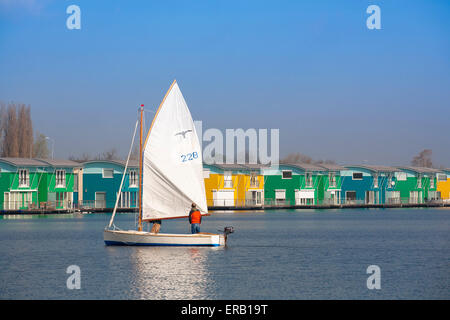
(237, 166)
(421, 169)
(131, 163)
(305, 166)
(331, 166)
(24, 162)
(255, 166)
(375, 168)
(60, 163)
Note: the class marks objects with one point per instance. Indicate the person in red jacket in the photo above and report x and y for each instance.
(195, 219)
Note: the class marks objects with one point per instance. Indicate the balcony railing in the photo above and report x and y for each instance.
(254, 184)
(238, 203)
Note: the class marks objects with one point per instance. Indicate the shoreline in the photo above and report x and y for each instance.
(236, 208)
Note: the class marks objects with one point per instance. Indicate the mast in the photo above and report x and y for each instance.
(141, 109)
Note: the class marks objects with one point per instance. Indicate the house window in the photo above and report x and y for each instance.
(24, 178)
(440, 177)
(287, 174)
(60, 178)
(254, 181)
(308, 179)
(133, 179)
(227, 180)
(401, 176)
(75, 182)
(332, 178)
(280, 196)
(350, 195)
(390, 182)
(108, 173)
(431, 182)
(357, 176)
(375, 181)
(419, 182)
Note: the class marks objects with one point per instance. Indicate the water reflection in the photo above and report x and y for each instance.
(171, 273)
(39, 216)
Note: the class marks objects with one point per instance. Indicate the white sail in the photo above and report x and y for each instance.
(172, 165)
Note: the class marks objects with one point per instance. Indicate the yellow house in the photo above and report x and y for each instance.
(234, 185)
(443, 184)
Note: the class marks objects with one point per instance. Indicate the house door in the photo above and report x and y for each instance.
(305, 197)
(6, 201)
(255, 198)
(413, 197)
(370, 197)
(60, 200)
(337, 197)
(26, 200)
(100, 199)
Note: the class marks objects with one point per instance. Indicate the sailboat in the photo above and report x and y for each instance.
(170, 178)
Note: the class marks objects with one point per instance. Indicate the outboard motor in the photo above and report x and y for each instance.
(226, 231)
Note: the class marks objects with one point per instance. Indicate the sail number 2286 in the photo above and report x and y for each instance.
(189, 156)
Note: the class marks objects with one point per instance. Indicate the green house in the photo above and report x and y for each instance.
(36, 183)
(20, 181)
(59, 183)
(294, 184)
(416, 184)
(332, 184)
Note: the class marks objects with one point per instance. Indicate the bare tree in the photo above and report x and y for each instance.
(3, 120)
(21, 132)
(16, 130)
(296, 157)
(11, 130)
(40, 147)
(423, 159)
(135, 153)
(28, 128)
(83, 158)
(325, 161)
(110, 154)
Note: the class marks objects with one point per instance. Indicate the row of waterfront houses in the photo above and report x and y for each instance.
(297, 184)
(64, 184)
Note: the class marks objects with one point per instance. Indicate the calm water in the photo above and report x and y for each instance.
(272, 255)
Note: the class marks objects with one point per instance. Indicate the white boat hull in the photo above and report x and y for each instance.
(141, 238)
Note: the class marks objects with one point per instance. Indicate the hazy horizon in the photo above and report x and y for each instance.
(335, 89)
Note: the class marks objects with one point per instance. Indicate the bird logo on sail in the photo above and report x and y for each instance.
(183, 133)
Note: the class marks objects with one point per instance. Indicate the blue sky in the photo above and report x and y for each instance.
(334, 88)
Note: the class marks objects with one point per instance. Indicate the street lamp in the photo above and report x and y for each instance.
(53, 144)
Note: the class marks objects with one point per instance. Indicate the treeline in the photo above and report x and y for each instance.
(16, 133)
(423, 159)
(17, 139)
(110, 154)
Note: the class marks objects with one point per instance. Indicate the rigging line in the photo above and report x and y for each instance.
(123, 177)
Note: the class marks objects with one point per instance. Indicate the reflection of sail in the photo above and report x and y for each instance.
(171, 273)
